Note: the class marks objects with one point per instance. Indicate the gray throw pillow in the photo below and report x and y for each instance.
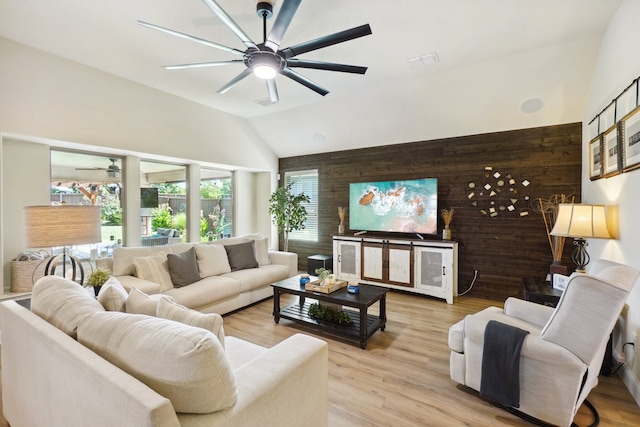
(241, 256)
(183, 268)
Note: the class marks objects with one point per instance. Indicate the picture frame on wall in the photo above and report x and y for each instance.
(630, 136)
(612, 152)
(595, 158)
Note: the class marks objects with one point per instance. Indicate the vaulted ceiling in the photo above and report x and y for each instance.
(494, 55)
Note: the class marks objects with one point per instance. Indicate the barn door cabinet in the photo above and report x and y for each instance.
(420, 266)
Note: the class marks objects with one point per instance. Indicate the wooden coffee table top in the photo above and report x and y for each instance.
(366, 296)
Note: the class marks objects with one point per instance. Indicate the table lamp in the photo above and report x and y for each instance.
(581, 221)
(66, 225)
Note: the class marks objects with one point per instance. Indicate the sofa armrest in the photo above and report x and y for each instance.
(290, 259)
(530, 312)
(287, 385)
(145, 286)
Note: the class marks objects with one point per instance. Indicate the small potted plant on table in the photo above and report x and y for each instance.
(97, 278)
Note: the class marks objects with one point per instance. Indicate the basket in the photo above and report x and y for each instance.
(25, 273)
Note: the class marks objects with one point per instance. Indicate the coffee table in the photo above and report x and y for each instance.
(364, 325)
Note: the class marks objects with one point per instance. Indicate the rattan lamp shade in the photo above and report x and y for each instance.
(47, 226)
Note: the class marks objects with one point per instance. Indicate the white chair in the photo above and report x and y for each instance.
(561, 356)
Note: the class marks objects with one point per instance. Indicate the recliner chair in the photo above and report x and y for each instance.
(561, 356)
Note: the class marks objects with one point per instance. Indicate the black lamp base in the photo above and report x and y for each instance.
(580, 257)
(77, 271)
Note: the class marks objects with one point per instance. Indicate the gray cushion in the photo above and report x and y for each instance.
(241, 256)
(183, 268)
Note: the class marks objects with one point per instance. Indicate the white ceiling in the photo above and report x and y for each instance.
(494, 55)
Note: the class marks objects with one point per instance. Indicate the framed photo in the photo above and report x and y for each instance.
(595, 158)
(630, 130)
(560, 281)
(612, 152)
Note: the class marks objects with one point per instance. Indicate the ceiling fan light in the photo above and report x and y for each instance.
(265, 72)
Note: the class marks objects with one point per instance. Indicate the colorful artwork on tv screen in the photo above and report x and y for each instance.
(409, 206)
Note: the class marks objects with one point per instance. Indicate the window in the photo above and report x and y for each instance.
(79, 178)
(305, 182)
(216, 194)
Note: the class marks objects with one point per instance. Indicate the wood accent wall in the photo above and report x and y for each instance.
(502, 249)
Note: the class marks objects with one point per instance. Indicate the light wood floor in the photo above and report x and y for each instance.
(402, 377)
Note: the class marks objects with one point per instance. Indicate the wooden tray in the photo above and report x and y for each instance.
(316, 286)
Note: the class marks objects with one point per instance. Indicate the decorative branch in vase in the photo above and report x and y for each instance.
(548, 208)
(341, 214)
(447, 216)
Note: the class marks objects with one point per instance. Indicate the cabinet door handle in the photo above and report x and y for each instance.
(443, 271)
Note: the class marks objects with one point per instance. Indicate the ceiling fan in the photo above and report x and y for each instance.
(266, 59)
(113, 170)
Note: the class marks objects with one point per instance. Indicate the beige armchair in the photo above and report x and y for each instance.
(562, 353)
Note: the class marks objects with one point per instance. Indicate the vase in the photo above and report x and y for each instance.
(446, 233)
(341, 229)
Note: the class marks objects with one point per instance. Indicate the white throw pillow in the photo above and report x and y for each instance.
(62, 302)
(186, 365)
(209, 321)
(155, 269)
(112, 295)
(262, 251)
(212, 260)
(140, 303)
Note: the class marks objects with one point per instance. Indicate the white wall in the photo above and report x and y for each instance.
(48, 100)
(617, 66)
(24, 165)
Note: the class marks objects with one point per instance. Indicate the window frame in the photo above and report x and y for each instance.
(310, 232)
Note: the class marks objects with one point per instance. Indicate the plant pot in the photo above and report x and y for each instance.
(446, 234)
(341, 229)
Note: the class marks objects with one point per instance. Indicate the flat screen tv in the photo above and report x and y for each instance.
(407, 206)
(148, 197)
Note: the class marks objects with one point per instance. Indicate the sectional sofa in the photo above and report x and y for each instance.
(68, 362)
(213, 277)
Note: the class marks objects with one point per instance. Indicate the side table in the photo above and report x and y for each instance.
(541, 292)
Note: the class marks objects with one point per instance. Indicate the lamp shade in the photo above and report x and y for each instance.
(47, 226)
(581, 221)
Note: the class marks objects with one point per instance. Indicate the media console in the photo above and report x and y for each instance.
(420, 266)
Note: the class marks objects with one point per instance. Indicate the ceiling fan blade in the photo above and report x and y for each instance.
(224, 17)
(303, 81)
(91, 169)
(287, 11)
(329, 66)
(192, 38)
(235, 80)
(319, 43)
(203, 64)
(273, 91)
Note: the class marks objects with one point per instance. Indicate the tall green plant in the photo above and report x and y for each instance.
(288, 211)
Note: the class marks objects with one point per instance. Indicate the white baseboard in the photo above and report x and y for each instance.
(629, 379)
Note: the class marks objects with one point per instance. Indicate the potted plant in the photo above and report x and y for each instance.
(97, 278)
(288, 211)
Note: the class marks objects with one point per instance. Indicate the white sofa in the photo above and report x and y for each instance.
(51, 379)
(219, 289)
